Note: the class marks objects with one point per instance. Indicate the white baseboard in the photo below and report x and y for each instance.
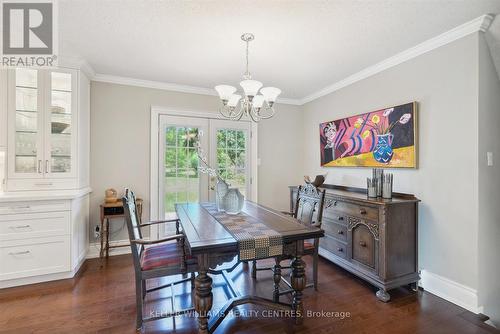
(451, 291)
(95, 248)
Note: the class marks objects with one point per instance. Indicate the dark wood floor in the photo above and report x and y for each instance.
(101, 299)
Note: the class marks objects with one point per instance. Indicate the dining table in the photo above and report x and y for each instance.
(215, 237)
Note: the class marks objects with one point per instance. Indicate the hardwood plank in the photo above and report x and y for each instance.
(101, 299)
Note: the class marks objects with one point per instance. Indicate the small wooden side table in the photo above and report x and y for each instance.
(110, 211)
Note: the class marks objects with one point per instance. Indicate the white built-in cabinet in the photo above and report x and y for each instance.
(46, 129)
(44, 205)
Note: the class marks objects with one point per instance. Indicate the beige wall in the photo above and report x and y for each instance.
(120, 144)
(444, 82)
(489, 185)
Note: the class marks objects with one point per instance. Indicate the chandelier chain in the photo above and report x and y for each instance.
(248, 72)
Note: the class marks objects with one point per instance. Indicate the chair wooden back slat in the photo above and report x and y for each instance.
(309, 205)
(134, 231)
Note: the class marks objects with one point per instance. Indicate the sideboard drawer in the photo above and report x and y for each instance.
(335, 230)
(33, 257)
(10, 208)
(334, 215)
(34, 225)
(336, 247)
(335, 207)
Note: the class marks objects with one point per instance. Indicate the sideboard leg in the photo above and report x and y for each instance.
(277, 280)
(298, 280)
(382, 295)
(203, 297)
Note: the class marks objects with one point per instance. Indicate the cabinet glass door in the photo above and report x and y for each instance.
(61, 125)
(27, 137)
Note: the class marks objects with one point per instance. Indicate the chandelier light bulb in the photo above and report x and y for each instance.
(258, 101)
(251, 87)
(270, 93)
(233, 100)
(225, 91)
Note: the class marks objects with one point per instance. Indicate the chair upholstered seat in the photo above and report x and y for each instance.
(308, 245)
(164, 255)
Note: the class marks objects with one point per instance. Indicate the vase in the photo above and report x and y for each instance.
(383, 150)
(232, 202)
(220, 192)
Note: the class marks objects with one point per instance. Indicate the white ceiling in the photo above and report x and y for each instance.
(300, 47)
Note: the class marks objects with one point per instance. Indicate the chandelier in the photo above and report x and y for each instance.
(254, 105)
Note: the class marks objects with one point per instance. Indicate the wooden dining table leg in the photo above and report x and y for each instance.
(277, 280)
(298, 280)
(203, 294)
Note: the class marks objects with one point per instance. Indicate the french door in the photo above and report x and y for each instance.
(226, 144)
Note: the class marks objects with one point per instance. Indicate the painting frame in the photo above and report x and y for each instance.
(382, 138)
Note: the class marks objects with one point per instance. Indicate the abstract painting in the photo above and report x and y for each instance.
(381, 138)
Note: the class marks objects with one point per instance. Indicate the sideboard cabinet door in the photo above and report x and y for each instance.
(364, 247)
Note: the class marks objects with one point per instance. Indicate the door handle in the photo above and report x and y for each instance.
(40, 166)
(46, 166)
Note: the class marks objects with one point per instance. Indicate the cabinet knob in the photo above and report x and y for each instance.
(362, 211)
(362, 244)
(340, 249)
(340, 232)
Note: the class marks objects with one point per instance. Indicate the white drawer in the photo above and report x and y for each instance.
(41, 184)
(34, 225)
(33, 257)
(8, 208)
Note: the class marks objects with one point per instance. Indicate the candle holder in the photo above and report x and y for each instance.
(378, 174)
(387, 186)
(372, 187)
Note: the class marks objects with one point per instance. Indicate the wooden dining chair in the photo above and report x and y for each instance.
(155, 259)
(308, 211)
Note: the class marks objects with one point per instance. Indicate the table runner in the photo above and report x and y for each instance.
(255, 239)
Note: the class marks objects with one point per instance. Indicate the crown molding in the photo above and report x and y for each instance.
(481, 23)
(169, 86)
(76, 62)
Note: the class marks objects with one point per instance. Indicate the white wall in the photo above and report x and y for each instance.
(445, 83)
(489, 185)
(120, 140)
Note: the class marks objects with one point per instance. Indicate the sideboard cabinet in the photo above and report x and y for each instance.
(375, 239)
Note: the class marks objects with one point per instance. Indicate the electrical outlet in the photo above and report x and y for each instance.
(97, 231)
(489, 158)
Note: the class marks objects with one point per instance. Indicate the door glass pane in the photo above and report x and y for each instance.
(60, 136)
(26, 135)
(231, 157)
(182, 182)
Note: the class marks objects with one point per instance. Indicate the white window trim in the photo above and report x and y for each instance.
(156, 112)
